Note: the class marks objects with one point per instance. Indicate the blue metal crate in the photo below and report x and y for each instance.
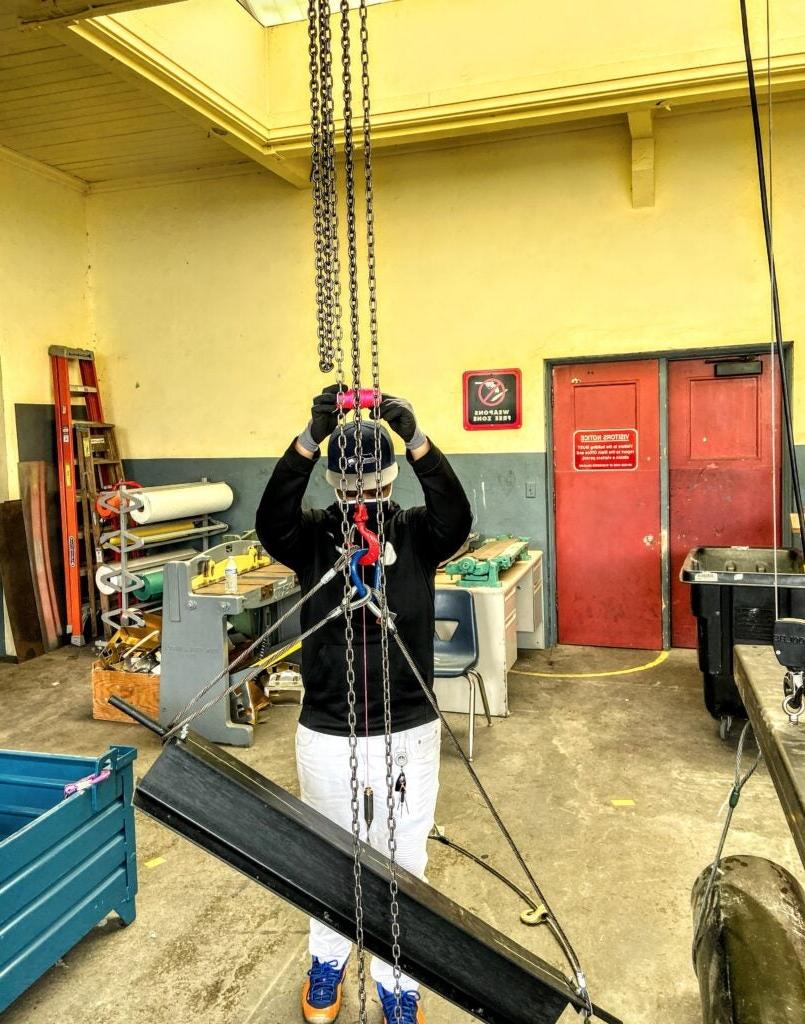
(65, 861)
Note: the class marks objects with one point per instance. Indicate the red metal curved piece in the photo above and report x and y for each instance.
(370, 540)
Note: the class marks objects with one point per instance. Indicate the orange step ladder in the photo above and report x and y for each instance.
(82, 473)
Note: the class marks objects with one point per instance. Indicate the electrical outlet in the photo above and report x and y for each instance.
(531, 488)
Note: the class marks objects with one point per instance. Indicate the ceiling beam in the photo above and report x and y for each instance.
(641, 129)
(50, 12)
(141, 61)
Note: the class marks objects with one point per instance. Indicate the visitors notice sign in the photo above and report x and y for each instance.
(492, 400)
(605, 449)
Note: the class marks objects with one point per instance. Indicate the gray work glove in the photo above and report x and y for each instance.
(399, 414)
(323, 418)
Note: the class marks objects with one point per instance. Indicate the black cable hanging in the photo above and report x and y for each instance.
(775, 298)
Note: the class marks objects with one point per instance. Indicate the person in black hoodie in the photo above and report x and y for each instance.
(416, 541)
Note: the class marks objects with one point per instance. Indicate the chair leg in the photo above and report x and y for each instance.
(471, 737)
(484, 699)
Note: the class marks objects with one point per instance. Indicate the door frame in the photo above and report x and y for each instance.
(663, 357)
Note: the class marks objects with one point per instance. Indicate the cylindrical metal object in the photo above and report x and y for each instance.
(368, 398)
(137, 715)
(749, 955)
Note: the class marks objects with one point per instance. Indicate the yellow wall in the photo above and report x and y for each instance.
(427, 52)
(43, 291)
(492, 255)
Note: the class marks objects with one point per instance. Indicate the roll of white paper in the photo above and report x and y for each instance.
(180, 501)
(107, 575)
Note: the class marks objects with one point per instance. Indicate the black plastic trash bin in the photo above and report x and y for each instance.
(732, 597)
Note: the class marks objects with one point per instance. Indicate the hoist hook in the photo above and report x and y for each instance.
(372, 552)
(355, 575)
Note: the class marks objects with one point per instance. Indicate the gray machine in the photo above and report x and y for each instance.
(203, 626)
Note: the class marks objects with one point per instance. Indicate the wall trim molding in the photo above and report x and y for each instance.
(529, 103)
(28, 163)
(210, 173)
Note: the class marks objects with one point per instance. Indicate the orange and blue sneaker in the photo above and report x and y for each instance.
(410, 1008)
(321, 993)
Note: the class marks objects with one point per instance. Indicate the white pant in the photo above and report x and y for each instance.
(322, 763)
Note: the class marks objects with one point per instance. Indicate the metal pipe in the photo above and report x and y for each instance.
(139, 716)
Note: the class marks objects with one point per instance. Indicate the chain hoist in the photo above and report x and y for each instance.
(330, 352)
(330, 331)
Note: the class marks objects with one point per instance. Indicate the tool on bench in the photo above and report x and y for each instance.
(483, 567)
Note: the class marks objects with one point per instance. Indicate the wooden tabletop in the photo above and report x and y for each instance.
(265, 575)
(760, 680)
(492, 548)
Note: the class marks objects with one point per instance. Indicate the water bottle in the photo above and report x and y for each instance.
(231, 576)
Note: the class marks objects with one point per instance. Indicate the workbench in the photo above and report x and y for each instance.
(507, 617)
(759, 677)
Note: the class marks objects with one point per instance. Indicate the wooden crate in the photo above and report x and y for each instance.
(138, 688)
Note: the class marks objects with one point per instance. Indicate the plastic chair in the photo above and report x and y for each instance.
(456, 652)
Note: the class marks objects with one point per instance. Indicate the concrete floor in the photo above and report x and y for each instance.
(210, 946)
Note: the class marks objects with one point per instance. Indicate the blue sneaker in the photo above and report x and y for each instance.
(410, 1008)
(321, 993)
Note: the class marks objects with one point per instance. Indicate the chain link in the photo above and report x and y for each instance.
(352, 272)
(394, 906)
(330, 347)
(330, 333)
(332, 261)
(316, 173)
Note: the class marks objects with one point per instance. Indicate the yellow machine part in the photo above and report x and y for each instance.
(270, 660)
(146, 636)
(214, 571)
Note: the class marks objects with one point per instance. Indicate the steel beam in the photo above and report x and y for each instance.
(233, 812)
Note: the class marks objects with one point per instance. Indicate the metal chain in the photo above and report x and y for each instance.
(332, 260)
(329, 319)
(316, 177)
(352, 239)
(331, 356)
(352, 268)
(391, 821)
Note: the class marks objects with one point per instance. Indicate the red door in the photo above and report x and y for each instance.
(719, 463)
(607, 487)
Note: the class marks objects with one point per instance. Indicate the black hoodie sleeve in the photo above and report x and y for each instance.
(284, 530)
(444, 523)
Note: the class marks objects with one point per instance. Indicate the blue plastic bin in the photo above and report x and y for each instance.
(65, 861)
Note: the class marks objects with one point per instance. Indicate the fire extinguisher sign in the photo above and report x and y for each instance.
(492, 400)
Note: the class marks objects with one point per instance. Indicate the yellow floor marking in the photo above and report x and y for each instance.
(622, 803)
(154, 862)
(661, 657)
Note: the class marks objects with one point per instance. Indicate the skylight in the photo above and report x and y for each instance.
(280, 12)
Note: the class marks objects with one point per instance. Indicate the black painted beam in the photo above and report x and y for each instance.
(228, 809)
